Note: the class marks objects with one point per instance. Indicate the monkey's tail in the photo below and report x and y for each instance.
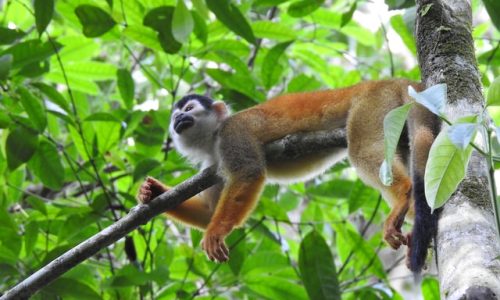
(424, 130)
(424, 227)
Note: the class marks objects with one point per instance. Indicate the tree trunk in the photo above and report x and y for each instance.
(467, 241)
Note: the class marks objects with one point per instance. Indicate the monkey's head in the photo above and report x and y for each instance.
(195, 120)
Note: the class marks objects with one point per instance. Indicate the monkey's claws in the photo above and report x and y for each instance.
(394, 237)
(215, 247)
(150, 189)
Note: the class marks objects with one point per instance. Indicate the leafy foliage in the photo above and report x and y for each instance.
(86, 92)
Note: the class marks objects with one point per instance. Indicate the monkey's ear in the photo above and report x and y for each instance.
(221, 109)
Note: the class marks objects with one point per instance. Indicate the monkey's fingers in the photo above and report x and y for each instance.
(394, 238)
(214, 247)
(144, 195)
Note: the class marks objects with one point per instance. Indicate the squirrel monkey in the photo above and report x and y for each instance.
(205, 132)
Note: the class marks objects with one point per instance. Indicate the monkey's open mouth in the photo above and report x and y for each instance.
(183, 123)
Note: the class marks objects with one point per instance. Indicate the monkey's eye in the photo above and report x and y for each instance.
(189, 107)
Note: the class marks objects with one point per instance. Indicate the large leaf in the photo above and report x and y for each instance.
(53, 95)
(126, 86)
(20, 146)
(95, 20)
(317, 268)
(274, 287)
(271, 70)
(31, 51)
(34, 107)
(394, 123)
(229, 14)
(462, 134)
(44, 9)
(182, 22)
(493, 9)
(304, 7)
(47, 166)
(160, 19)
(445, 170)
(273, 31)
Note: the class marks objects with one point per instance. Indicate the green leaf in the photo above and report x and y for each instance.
(347, 16)
(160, 19)
(8, 36)
(53, 95)
(102, 116)
(398, 24)
(5, 65)
(230, 15)
(271, 70)
(445, 170)
(44, 9)
(200, 27)
(317, 269)
(394, 123)
(30, 236)
(144, 167)
(126, 86)
(31, 51)
(236, 82)
(433, 98)
(304, 7)
(493, 9)
(182, 22)
(462, 134)
(4, 122)
(430, 289)
(274, 287)
(68, 288)
(21, 145)
(34, 107)
(303, 83)
(47, 166)
(493, 98)
(95, 20)
(273, 31)
(144, 35)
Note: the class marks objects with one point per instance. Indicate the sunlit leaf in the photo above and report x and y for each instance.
(445, 170)
(430, 289)
(317, 268)
(95, 20)
(34, 107)
(31, 51)
(182, 22)
(44, 9)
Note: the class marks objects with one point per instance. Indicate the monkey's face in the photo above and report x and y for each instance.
(194, 122)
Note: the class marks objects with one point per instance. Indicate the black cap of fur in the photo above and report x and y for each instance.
(205, 101)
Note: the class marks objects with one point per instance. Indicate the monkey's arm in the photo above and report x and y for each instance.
(194, 211)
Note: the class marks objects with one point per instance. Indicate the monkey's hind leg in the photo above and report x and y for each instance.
(194, 211)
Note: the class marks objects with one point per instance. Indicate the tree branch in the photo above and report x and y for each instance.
(292, 146)
(467, 243)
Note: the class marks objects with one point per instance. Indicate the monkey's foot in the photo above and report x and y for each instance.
(150, 189)
(214, 246)
(394, 237)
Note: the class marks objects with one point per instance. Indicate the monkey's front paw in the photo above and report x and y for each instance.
(214, 246)
(150, 189)
(394, 237)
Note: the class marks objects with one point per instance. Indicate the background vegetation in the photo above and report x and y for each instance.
(86, 92)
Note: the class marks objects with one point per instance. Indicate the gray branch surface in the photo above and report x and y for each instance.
(467, 242)
(292, 146)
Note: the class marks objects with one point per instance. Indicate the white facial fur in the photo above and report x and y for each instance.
(197, 142)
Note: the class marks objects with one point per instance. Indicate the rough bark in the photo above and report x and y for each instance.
(467, 239)
(290, 146)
